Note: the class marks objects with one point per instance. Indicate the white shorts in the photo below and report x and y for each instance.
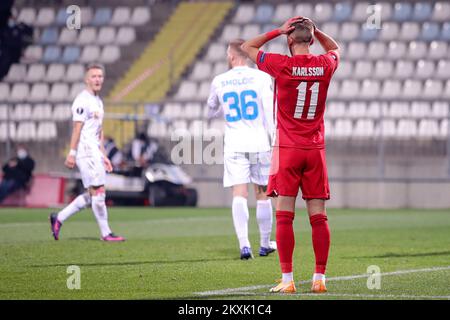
(246, 167)
(92, 171)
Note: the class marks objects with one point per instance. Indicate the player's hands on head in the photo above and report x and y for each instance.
(70, 162)
(288, 25)
(108, 165)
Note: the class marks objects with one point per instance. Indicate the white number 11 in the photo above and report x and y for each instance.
(302, 97)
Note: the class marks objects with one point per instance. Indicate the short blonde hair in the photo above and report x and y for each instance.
(95, 66)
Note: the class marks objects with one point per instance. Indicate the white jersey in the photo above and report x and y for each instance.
(88, 108)
(246, 97)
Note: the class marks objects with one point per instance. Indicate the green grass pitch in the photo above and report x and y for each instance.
(179, 253)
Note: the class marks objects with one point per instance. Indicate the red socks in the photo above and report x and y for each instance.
(285, 239)
(320, 240)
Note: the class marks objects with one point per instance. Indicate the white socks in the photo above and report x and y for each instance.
(100, 213)
(287, 277)
(318, 276)
(79, 203)
(239, 209)
(264, 216)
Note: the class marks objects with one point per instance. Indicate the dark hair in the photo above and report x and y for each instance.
(235, 46)
(303, 32)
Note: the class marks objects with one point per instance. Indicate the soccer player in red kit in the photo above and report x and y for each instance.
(298, 159)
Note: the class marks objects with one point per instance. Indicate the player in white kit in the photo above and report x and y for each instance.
(245, 96)
(88, 153)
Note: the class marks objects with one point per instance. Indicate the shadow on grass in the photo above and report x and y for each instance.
(403, 255)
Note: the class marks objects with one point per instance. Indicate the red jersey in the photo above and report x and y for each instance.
(301, 91)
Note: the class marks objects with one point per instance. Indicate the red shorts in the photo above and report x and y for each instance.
(293, 168)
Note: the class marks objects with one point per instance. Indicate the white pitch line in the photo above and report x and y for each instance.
(244, 290)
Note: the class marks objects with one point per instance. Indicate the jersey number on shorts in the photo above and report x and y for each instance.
(301, 100)
(247, 110)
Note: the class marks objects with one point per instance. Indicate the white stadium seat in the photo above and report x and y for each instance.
(68, 36)
(417, 50)
(204, 89)
(230, 32)
(420, 109)
(383, 69)
(75, 73)
(342, 129)
(404, 69)
(46, 131)
(356, 110)
(42, 112)
(7, 133)
(437, 50)
(19, 92)
(59, 92)
(396, 50)
(370, 89)
(45, 17)
(349, 89)
(364, 128)
(110, 54)
(399, 110)
(90, 53)
(55, 72)
(441, 11)
(412, 89)
(432, 89)
(88, 35)
(62, 112)
(424, 69)
(360, 11)
(216, 52)
(336, 110)
(121, 16)
(26, 131)
(390, 31)
(39, 92)
(376, 50)
(36, 72)
(106, 35)
(409, 31)
(125, 36)
(322, 12)
(349, 31)
(27, 15)
(428, 129)
(220, 67)
(202, 70)
(250, 31)
(387, 128)
(362, 70)
(140, 16)
(22, 111)
(406, 129)
(17, 73)
(4, 91)
(244, 14)
(390, 89)
(443, 69)
(344, 71)
(356, 50)
(187, 90)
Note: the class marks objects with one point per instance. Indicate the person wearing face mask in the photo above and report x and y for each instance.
(17, 173)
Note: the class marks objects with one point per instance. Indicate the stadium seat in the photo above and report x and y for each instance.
(283, 11)
(4, 91)
(220, 67)
(4, 109)
(49, 36)
(19, 92)
(45, 17)
(55, 72)
(364, 128)
(437, 50)
(409, 31)
(179, 125)
(202, 70)
(342, 129)
(304, 10)
(387, 128)
(349, 31)
(276, 47)
(157, 129)
(110, 54)
(441, 11)
(46, 131)
(33, 53)
(342, 11)
(331, 29)
(87, 36)
(376, 50)
(443, 69)
(204, 90)
(61, 17)
(344, 71)
(432, 89)
(444, 129)
(390, 31)
(440, 109)
(328, 124)
(333, 90)
(106, 35)
(71, 54)
(36, 72)
(125, 36)
(22, 111)
(90, 53)
(368, 34)
(86, 16)
(335, 110)
(250, 31)
(370, 89)
(75, 89)
(412, 89)
(140, 16)
(406, 129)
(51, 54)
(244, 14)
(402, 11)
(396, 50)
(390, 89)
(445, 34)
(430, 31)
(386, 10)
(121, 16)
(422, 11)
(42, 111)
(216, 52)
(62, 112)
(26, 131)
(230, 32)
(68, 36)
(417, 50)
(39, 92)
(446, 92)
(363, 69)
(383, 69)
(192, 110)
(428, 129)
(17, 73)
(102, 17)
(349, 89)
(356, 110)
(59, 92)
(360, 11)
(27, 15)
(398, 110)
(420, 109)
(264, 13)
(374, 110)
(171, 110)
(404, 69)
(424, 69)
(75, 73)
(356, 50)
(322, 12)
(186, 91)
(7, 133)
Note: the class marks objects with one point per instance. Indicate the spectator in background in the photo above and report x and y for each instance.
(17, 173)
(143, 150)
(113, 153)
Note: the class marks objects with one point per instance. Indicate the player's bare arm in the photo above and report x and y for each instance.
(327, 42)
(252, 46)
(76, 132)
(106, 161)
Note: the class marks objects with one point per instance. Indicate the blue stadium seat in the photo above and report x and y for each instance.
(422, 11)
(445, 33)
(430, 31)
(71, 54)
(49, 36)
(402, 11)
(264, 13)
(342, 11)
(51, 54)
(102, 17)
(368, 35)
(61, 17)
